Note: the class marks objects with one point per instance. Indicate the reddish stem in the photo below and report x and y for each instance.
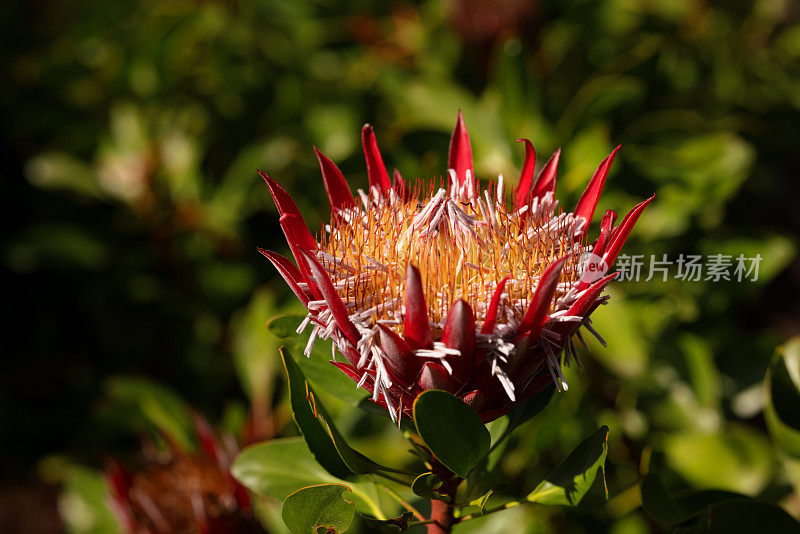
(442, 512)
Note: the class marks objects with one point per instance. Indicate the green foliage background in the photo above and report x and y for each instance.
(132, 210)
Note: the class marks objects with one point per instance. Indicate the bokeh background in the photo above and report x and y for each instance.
(131, 133)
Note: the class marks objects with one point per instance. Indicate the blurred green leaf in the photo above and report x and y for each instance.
(736, 459)
(783, 397)
(580, 479)
(83, 502)
(314, 507)
(452, 431)
(278, 467)
(157, 405)
(425, 486)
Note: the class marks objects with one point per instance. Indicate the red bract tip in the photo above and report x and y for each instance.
(526, 177)
(621, 233)
(332, 299)
(339, 194)
(459, 334)
(491, 314)
(299, 232)
(435, 376)
(536, 314)
(460, 152)
(416, 327)
(289, 272)
(400, 188)
(376, 170)
(546, 182)
(588, 201)
(400, 358)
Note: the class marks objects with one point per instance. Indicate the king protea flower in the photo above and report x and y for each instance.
(445, 285)
(179, 491)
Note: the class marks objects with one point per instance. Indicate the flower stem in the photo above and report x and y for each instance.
(443, 513)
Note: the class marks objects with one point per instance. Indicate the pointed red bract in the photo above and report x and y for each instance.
(460, 153)
(526, 176)
(588, 201)
(400, 186)
(621, 233)
(459, 334)
(536, 314)
(416, 327)
(288, 271)
(332, 299)
(400, 358)
(339, 194)
(491, 313)
(546, 182)
(298, 229)
(604, 238)
(435, 376)
(376, 170)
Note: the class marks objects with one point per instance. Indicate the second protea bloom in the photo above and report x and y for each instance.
(445, 285)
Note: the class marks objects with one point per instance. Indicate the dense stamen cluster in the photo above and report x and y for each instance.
(448, 286)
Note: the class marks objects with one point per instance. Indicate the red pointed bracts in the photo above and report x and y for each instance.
(425, 291)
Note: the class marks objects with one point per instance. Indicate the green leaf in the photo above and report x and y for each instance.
(784, 391)
(736, 458)
(278, 467)
(452, 430)
(712, 511)
(657, 502)
(580, 479)
(285, 326)
(425, 486)
(744, 515)
(528, 408)
(321, 506)
(83, 502)
(324, 439)
(305, 410)
(317, 366)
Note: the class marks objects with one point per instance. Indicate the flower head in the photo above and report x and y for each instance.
(179, 491)
(445, 285)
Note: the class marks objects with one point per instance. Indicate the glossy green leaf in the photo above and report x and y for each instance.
(324, 506)
(278, 467)
(425, 486)
(305, 410)
(452, 430)
(324, 439)
(316, 366)
(580, 479)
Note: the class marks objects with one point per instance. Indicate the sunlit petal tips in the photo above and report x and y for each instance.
(339, 194)
(442, 285)
(591, 196)
(376, 170)
(523, 190)
(546, 182)
(460, 154)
